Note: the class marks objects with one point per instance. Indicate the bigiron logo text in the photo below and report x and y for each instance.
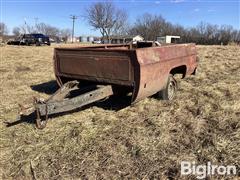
(202, 171)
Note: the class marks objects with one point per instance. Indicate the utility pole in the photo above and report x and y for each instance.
(73, 17)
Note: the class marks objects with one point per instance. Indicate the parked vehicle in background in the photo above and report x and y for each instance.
(97, 42)
(31, 39)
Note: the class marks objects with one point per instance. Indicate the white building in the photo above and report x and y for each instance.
(168, 39)
(75, 39)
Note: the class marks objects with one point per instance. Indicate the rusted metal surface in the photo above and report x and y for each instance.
(156, 65)
(99, 65)
(54, 107)
(144, 69)
(111, 65)
(99, 72)
(58, 103)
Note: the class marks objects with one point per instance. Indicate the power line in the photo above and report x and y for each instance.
(73, 17)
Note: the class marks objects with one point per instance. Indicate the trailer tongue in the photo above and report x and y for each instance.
(60, 102)
(96, 72)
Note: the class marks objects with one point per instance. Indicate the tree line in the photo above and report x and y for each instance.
(151, 26)
(51, 31)
(111, 21)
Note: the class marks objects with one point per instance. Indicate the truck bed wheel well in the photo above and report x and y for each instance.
(179, 70)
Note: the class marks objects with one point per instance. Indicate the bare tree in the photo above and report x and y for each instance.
(65, 34)
(16, 31)
(106, 18)
(26, 28)
(235, 36)
(43, 28)
(150, 26)
(31, 29)
(225, 34)
(47, 29)
(121, 26)
(23, 29)
(3, 29)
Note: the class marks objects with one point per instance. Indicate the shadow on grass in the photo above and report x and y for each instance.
(49, 87)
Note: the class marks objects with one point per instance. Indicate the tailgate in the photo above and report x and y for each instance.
(104, 65)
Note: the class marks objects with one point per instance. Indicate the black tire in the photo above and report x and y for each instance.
(169, 91)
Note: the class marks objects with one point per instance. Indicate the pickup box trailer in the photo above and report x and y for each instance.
(96, 72)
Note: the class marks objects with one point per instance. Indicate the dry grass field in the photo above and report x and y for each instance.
(147, 140)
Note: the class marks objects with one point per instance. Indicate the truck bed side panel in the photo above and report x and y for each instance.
(156, 64)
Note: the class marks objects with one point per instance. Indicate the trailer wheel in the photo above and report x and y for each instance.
(169, 91)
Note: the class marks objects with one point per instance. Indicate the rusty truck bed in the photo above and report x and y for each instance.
(144, 70)
(98, 72)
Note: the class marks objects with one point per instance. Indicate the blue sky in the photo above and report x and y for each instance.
(56, 12)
